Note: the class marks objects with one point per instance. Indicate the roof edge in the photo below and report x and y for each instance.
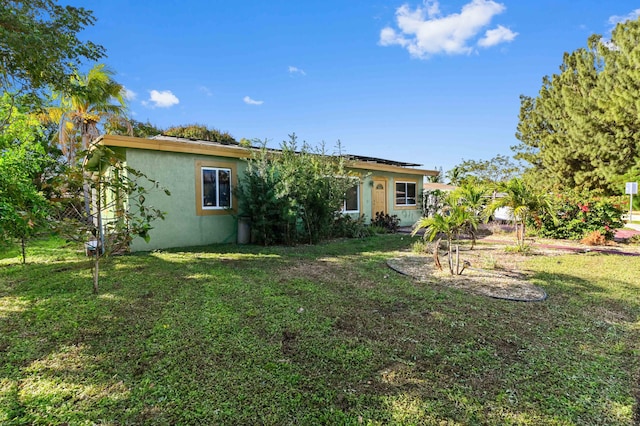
(189, 146)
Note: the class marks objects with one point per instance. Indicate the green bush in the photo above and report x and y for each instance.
(524, 249)
(272, 219)
(386, 222)
(345, 226)
(420, 246)
(200, 132)
(292, 195)
(574, 215)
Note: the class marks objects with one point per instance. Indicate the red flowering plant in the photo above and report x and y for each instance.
(576, 214)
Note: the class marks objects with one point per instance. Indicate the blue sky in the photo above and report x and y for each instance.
(431, 82)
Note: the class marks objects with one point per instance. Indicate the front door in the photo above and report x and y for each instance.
(378, 197)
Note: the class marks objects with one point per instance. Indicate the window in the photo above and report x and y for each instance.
(214, 183)
(405, 193)
(216, 188)
(351, 202)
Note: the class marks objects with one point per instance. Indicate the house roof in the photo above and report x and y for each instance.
(431, 186)
(194, 146)
(364, 159)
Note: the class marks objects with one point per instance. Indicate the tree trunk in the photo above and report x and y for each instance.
(520, 230)
(24, 255)
(436, 254)
(86, 139)
(96, 270)
(99, 238)
(86, 193)
(450, 260)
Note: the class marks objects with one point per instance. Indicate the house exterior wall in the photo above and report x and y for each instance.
(408, 215)
(176, 164)
(182, 226)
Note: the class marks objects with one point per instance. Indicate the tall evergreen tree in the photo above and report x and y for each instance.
(619, 98)
(581, 129)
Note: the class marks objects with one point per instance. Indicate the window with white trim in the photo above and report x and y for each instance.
(406, 193)
(216, 188)
(351, 203)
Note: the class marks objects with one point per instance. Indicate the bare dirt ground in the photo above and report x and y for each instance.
(491, 270)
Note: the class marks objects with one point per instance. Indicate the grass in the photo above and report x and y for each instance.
(311, 335)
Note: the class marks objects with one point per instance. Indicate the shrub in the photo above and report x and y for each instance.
(495, 228)
(489, 262)
(346, 226)
(575, 215)
(519, 248)
(386, 222)
(594, 238)
(200, 132)
(293, 195)
(377, 230)
(420, 246)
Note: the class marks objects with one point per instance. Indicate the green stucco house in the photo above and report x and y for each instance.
(202, 176)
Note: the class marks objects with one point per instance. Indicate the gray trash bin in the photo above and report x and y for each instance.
(244, 230)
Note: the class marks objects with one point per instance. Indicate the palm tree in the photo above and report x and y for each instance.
(97, 100)
(436, 178)
(96, 103)
(472, 196)
(522, 201)
(455, 175)
(453, 219)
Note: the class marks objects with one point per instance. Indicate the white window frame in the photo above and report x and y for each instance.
(217, 203)
(344, 202)
(406, 198)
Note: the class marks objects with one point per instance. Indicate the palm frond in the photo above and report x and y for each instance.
(97, 100)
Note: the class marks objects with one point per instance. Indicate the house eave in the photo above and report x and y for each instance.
(188, 146)
(362, 165)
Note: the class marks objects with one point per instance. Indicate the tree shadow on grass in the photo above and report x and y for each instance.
(293, 335)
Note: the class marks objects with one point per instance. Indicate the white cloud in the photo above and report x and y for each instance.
(632, 16)
(129, 94)
(163, 99)
(609, 44)
(296, 70)
(615, 20)
(247, 100)
(497, 36)
(425, 32)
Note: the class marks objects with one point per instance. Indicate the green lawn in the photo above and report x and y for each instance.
(311, 335)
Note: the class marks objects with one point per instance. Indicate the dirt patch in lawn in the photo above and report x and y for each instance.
(490, 271)
(494, 272)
